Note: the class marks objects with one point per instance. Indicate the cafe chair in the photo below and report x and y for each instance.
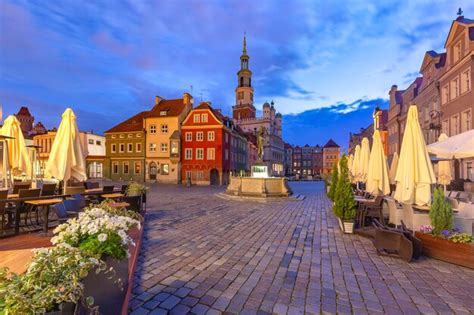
(26, 208)
(20, 185)
(48, 190)
(108, 189)
(134, 202)
(3, 207)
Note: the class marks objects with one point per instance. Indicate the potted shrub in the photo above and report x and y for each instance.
(440, 240)
(333, 182)
(136, 189)
(344, 202)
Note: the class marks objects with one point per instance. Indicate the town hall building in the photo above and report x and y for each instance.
(244, 115)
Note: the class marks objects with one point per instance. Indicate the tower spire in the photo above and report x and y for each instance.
(244, 51)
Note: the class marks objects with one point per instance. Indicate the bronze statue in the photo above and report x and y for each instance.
(261, 142)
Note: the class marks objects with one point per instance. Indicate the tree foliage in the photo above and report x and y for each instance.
(441, 212)
(334, 178)
(344, 203)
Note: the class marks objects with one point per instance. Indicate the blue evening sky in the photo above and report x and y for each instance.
(108, 59)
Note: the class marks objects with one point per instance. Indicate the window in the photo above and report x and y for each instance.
(454, 88)
(454, 125)
(130, 147)
(240, 95)
(466, 81)
(445, 95)
(226, 154)
(189, 136)
(200, 175)
(125, 167)
(174, 147)
(211, 135)
(445, 126)
(197, 118)
(188, 154)
(199, 154)
(164, 147)
(164, 128)
(138, 147)
(115, 167)
(226, 137)
(91, 141)
(114, 136)
(122, 136)
(457, 52)
(122, 147)
(163, 113)
(138, 168)
(189, 174)
(204, 118)
(152, 147)
(130, 135)
(152, 129)
(199, 136)
(98, 142)
(470, 171)
(113, 148)
(165, 169)
(139, 135)
(211, 153)
(466, 120)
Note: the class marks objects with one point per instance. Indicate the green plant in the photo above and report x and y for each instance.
(334, 179)
(441, 213)
(344, 202)
(461, 238)
(136, 189)
(53, 277)
(122, 212)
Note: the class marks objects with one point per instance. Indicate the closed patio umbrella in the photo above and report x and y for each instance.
(377, 174)
(355, 164)
(66, 159)
(415, 172)
(393, 168)
(364, 160)
(350, 159)
(444, 167)
(19, 158)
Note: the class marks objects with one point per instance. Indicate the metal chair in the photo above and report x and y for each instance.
(134, 202)
(48, 190)
(108, 189)
(20, 185)
(26, 208)
(123, 189)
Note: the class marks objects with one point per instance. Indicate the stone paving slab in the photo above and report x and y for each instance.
(205, 255)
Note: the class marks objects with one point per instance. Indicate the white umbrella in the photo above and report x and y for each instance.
(350, 159)
(364, 160)
(456, 147)
(393, 168)
(19, 157)
(66, 159)
(414, 173)
(355, 164)
(377, 174)
(444, 167)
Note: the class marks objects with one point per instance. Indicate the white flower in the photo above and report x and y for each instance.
(102, 237)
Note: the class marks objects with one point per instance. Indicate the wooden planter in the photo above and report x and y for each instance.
(346, 226)
(439, 248)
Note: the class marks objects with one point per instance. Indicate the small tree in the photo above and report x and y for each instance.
(344, 202)
(334, 178)
(441, 212)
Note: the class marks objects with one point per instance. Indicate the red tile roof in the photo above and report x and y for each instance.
(172, 107)
(331, 144)
(24, 111)
(134, 123)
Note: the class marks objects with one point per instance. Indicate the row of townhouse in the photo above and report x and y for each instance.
(176, 143)
(443, 94)
(309, 161)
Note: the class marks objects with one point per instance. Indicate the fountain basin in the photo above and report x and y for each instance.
(259, 187)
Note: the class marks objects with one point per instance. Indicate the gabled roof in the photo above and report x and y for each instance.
(134, 123)
(331, 144)
(172, 107)
(460, 21)
(24, 111)
(429, 56)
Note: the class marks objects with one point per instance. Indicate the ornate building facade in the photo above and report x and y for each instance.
(244, 115)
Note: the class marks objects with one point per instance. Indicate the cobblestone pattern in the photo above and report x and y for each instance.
(205, 255)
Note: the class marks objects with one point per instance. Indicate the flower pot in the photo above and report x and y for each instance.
(108, 295)
(348, 227)
(442, 249)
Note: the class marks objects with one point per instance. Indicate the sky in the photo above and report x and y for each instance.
(326, 64)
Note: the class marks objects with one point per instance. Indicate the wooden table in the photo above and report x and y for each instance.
(13, 196)
(119, 205)
(94, 190)
(112, 195)
(47, 203)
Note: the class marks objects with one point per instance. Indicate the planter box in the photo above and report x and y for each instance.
(439, 248)
(346, 226)
(108, 296)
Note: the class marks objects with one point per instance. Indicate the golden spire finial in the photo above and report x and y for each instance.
(245, 44)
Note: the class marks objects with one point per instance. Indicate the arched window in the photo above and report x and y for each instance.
(250, 81)
(241, 81)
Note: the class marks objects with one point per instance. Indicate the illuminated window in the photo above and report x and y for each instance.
(138, 167)
(211, 153)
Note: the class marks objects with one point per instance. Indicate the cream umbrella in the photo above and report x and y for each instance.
(355, 164)
(444, 167)
(460, 146)
(377, 174)
(364, 160)
(66, 159)
(19, 158)
(393, 168)
(350, 159)
(414, 173)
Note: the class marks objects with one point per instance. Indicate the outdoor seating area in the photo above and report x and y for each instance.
(394, 205)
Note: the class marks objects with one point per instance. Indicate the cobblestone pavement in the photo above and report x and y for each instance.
(206, 255)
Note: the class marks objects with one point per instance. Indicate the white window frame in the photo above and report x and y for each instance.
(128, 168)
(113, 148)
(130, 147)
(199, 154)
(211, 135)
(188, 153)
(152, 147)
(153, 129)
(211, 154)
(188, 136)
(163, 147)
(199, 136)
(204, 118)
(121, 147)
(164, 128)
(138, 147)
(135, 168)
(196, 118)
(115, 164)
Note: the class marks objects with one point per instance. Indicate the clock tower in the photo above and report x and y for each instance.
(244, 108)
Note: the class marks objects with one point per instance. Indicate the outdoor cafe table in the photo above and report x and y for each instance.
(94, 190)
(13, 196)
(47, 203)
(112, 195)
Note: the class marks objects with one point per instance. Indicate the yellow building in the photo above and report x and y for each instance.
(331, 154)
(163, 138)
